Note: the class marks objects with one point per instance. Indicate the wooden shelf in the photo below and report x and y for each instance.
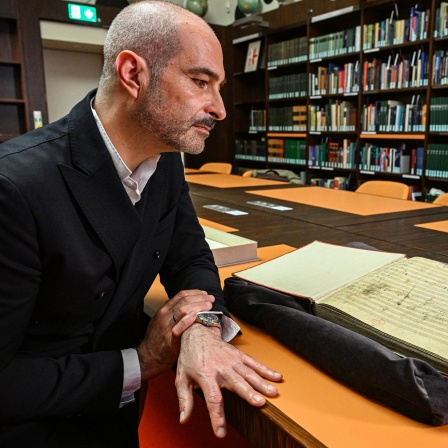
(392, 136)
(13, 102)
(337, 20)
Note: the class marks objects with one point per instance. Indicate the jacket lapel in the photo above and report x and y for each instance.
(97, 188)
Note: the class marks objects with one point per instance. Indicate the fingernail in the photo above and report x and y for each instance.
(257, 398)
(270, 389)
(182, 416)
(221, 432)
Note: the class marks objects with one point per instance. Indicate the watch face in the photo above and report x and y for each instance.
(209, 319)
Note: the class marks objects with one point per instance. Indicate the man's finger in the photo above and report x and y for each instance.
(215, 405)
(262, 370)
(251, 384)
(186, 400)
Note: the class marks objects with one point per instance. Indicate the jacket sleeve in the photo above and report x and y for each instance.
(189, 263)
(32, 385)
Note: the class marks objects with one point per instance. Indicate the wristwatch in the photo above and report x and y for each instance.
(209, 319)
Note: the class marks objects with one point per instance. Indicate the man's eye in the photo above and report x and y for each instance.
(201, 83)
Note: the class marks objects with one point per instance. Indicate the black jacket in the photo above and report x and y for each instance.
(76, 260)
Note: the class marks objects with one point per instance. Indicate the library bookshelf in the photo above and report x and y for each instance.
(353, 90)
(12, 91)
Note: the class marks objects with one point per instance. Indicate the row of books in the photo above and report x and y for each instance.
(288, 86)
(438, 110)
(437, 160)
(401, 160)
(341, 116)
(394, 116)
(250, 149)
(335, 79)
(287, 151)
(395, 31)
(441, 24)
(288, 52)
(390, 31)
(334, 44)
(400, 73)
(440, 68)
(397, 72)
(338, 183)
(385, 159)
(405, 159)
(288, 118)
(336, 116)
(332, 155)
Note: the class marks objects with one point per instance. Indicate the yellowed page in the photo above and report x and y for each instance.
(408, 300)
(317, 269)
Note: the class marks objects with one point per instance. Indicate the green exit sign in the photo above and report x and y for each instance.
(82, 13)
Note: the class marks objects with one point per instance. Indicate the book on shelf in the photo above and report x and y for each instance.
(441, 24)
(397, 301)
(250, 149)
(276, 150)
(228, 248)
(439, 114)
(437, 160)
(299, 118)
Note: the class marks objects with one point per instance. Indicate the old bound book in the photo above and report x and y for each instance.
(228, 248)
(400, 302)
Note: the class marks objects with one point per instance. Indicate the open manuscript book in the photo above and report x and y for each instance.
(401, 303)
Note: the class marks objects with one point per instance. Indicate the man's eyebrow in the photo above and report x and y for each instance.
(208, 72)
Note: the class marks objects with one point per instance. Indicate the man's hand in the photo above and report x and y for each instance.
(160, 348)
(206, 361)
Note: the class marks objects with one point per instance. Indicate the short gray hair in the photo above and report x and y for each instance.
(148, 28)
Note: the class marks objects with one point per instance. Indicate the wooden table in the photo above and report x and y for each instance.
(312, 409)
(322, 206)
(428, 232)
(272, 228)
(225, 181)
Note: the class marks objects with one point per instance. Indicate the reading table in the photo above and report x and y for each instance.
(270, 228)
(218, 180)
(318, 205)
(422, 232)
(312, 409)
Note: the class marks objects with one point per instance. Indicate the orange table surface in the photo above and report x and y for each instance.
(230, 181)
(330, 411)
(215, 225)
(343, 201)
(440, 226)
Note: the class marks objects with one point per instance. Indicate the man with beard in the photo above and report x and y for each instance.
(93, 207)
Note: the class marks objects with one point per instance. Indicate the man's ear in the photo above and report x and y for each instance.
(132, 71)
